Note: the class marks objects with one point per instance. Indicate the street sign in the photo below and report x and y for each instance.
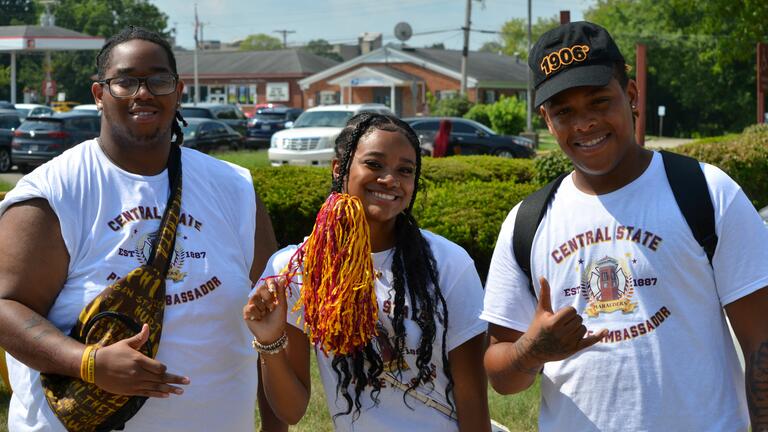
(662, 110)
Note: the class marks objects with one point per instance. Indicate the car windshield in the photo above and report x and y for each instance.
(270, 116)
(40, 125)
(196, 113)
(485, 128)
(323, 119)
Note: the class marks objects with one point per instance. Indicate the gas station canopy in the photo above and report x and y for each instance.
(27, 38)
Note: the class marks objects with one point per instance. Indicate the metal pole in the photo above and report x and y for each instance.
(465, 51)
(196, 99)
(661, 126)
(13, 77)
(529, 92)
(47, 76)
(761, 59)
(641, 86)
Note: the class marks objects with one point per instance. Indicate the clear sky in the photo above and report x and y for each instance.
(341, 21)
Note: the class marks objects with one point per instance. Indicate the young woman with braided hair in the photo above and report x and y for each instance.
(423, 369)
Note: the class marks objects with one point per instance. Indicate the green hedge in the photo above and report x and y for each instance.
(470, 214)
(464, 198)
(550, 165)
(483, 168)
(744, 157)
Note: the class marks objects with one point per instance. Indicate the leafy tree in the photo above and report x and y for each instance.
(492, 47)
(514, 35)
(260, 42)
(701, 58)
(480, 114)
(507, 115)
(452, 107)
(74, 71)
(18, 12)
(437, 45)
(323, 48)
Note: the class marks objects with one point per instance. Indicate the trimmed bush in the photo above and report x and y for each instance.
(452, 107)
(482, 168)
(293, 196)
(463, 198)
(480, 113)
(507, 115)
(470, 214)
(550, 165)
(744, 157)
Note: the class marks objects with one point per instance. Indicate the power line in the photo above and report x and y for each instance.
(285, 36)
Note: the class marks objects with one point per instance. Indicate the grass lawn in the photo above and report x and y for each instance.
(5, 187)
(246, 158)
(519, 412)
(547, 142)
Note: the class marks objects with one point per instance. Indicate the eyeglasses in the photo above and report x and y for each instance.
(127, 86)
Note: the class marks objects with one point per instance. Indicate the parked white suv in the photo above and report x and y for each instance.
(312, 138)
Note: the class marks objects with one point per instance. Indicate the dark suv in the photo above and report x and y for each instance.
(40, 139)
(267, 121)
(9, 121)
(227, 113)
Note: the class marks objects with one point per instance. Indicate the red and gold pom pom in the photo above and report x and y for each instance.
(337, 294)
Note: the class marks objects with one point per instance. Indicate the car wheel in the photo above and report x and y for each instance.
(5, 160)
(505, 153)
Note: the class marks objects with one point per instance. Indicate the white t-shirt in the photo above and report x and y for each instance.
(107, 216)
(463, 293)
(627, 261)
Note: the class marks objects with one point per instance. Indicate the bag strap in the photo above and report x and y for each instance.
(160, 257)
(529, 215)
(689, 186)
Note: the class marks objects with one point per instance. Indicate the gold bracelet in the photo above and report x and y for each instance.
(88, 364)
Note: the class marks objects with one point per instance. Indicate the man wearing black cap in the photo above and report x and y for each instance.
(628, 328)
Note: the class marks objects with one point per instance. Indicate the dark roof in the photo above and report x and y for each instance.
(285, 62)
(30, 31)
(483, 66)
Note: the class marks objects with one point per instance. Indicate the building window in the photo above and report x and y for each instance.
(328, 97)
(447, 94)
(489, 96)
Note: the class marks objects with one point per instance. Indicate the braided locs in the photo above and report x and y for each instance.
(413, 266)
(130, 33)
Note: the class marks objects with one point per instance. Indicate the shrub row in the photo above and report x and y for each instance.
(467, 209)
(744, 157)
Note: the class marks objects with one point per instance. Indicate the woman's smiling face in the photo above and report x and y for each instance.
(382, 174)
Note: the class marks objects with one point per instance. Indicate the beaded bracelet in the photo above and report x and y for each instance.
(273, 348)
(88, 364)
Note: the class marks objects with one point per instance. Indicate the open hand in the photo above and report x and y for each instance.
(265, 312)
(122, 369)
(557, 335)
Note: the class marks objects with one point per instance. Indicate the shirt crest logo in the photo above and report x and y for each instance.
(607, 287)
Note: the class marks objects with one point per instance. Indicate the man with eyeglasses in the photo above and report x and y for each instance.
(88, 217)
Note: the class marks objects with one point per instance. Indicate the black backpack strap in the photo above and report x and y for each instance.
(529, 215)
(692, 195)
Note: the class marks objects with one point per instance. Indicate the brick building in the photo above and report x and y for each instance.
(401, 77)
(249, 77)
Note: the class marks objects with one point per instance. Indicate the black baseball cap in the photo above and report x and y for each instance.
(572, 55)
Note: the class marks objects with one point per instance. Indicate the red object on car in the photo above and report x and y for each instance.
(441, 139)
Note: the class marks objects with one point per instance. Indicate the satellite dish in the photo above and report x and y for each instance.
(403, 31)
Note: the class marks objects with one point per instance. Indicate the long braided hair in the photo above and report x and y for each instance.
(131, 33)
(413, 266)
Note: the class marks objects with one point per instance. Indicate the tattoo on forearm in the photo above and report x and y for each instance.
(32, 322)
(41, 334)
(546, 345)
(521, 353)
(757, 388)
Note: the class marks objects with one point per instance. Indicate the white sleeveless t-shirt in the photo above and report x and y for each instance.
(108, 218)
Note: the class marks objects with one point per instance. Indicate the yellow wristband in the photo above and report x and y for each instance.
(88, 364)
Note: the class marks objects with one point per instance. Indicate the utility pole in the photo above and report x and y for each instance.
(465, 50)
(196, 99)
(285, 34)
(528, 119)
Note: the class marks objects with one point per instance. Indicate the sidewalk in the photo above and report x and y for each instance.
(665, 142)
